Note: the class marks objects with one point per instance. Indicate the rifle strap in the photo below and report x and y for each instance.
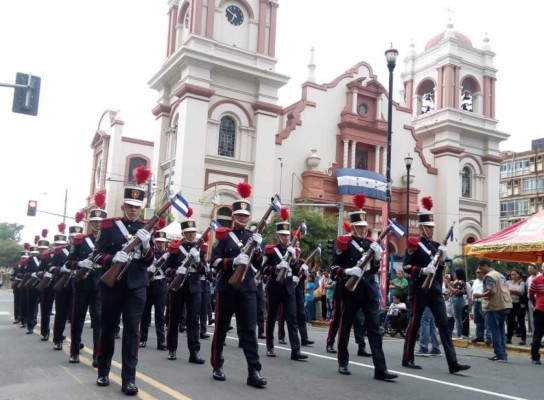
(425, 249)
(90, 243)
(278, 253)
(235, 239)
(357, 247)
(123, 229)
(183, 251)
(66, 252)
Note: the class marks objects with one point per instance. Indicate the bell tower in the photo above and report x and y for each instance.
(217, 105)
(450, 88)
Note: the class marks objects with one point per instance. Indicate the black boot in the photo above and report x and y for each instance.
(195, 358)
(298, 356)
(58, 346)
(142, 344)
(255, 379)
(74, 359)
(45, 337)
(218, 374)
(172, 355)
(331, 349)
(362, 351)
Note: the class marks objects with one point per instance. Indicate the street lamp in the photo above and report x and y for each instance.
(408, 162)
(391, 57)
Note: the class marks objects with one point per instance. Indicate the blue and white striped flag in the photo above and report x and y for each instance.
(276, 203)
(214, 224)
(397, 228)
(180, 204)
(354, 181)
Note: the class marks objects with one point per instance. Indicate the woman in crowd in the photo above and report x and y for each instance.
(458, 289)
(517, 292)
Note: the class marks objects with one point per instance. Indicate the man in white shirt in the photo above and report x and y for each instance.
(479, 316)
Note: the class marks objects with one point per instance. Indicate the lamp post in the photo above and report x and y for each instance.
(391, 58)
(408, 162)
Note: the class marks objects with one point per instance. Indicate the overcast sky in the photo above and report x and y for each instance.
(100, 54)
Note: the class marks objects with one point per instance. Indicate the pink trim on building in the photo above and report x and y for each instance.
(171, 41)
(408, 94)
(210, 18)
(272, 32)
(197, 18)
(187, 89)
(262, 28)
(440, 88)
(419, 150)
(161, 110)
(260, 105)
(137, 141)
(234, 102)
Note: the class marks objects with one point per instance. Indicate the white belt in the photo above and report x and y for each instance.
(158, 278)
(192, 270)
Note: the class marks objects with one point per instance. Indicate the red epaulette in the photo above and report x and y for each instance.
(107, 223)
(302, 260)
(413, 243)
(45, 255)
(269, 248)
(222, 233)
(370, 239)
(58, 249)
(78, 239)
(24, 262)
(342, 242)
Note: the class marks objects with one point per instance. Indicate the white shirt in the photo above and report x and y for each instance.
(477, 287)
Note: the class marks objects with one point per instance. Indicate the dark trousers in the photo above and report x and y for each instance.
(32, 300)
(334, 325)
(191, 302)
(47, 297)
(63, 308)
(371, 309)
(261, 311)
(301, 316)
(130, 304)
(436, 304)
(538, 318)
(244, 305)
(85, 299)
(279, 297)
(516, 317)
(156, 298)
(204, 306)
(22, 305)
(17, 304)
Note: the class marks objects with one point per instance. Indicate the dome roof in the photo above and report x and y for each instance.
(435, 40)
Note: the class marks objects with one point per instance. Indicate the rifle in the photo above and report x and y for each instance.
(353, 281)
(44, 283)
(249, 248)
(63, 281)
(317, 250)
(158, 264)
(280, 278)
(82, 273)
(429, 278)
(179, 280)
(117, 270)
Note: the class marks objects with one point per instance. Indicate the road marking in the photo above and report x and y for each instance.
(5, 313)
(423, 378)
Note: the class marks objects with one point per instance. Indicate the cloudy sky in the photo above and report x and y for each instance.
(100, 54)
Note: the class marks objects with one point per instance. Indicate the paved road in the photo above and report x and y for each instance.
(31, 369)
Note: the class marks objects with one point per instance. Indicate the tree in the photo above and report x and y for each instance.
(10, 231)
(10, 252)
(320, 228)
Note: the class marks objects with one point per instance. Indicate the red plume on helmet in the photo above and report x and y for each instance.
(244, 189)
(26, 246)
(162, 223)
(427, 203)
(347, 227)
(142, 174)
(62, 227)
(100, 199)
(80, 216)
(190, 212)
(36, 239)
(284, 213)
(359, 200)
(44, 233)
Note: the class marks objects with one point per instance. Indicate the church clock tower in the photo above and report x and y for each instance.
(217, 105)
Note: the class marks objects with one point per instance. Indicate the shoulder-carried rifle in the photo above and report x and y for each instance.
(435, 260)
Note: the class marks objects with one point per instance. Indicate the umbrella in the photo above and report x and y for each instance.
(521, 242)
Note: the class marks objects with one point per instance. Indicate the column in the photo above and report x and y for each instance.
(345, 155)
(353, 148)
(377, 159)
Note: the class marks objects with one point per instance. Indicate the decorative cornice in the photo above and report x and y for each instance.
(293, 119)
(262, 106)
(489, 159)
(187, 89)
(450, 150)
(137, 141)
(162, 110)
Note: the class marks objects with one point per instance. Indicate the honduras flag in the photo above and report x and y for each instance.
(214, 225)
(180, 204)
(354, 181)
(276, 203)
(397, 228)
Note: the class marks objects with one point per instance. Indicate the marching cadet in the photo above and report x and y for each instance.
(86, 284)
(187, 295)
(127, 297)
(32, 294)
(227, 255)
(156, 294)
(16, 285)
(282, 293)
(47, 296)
(23, 276)
(365, 296)
(418, 263)
(205, 279)
(63, 292)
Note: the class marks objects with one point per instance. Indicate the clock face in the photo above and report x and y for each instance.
(234, 15)
(362, 109)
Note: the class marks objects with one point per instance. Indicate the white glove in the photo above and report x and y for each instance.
(120, 257)
(354, 271)
(64, 269)
(282, 265)
(85, 264)
(295, 279)
(206, 269)
(33, 275)
(291, 250)
(47, 275)
(181, 271)
(429, 269)
(152, 269)
(377, 249)
(52, 269)
(242, 259)
(443, 252)
(305, 268)
(144, 236)
(257, 238)
(195, 254)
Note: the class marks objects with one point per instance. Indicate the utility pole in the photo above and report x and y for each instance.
(65, 203)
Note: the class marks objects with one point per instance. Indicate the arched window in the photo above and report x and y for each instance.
(224, 217)
(466, 185)
(134, 163)
(227, 136)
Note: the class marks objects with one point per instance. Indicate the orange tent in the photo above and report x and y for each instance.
(522, 242)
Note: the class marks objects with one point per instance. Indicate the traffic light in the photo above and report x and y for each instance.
(32, 208)
(330, 247)
(26, 99)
